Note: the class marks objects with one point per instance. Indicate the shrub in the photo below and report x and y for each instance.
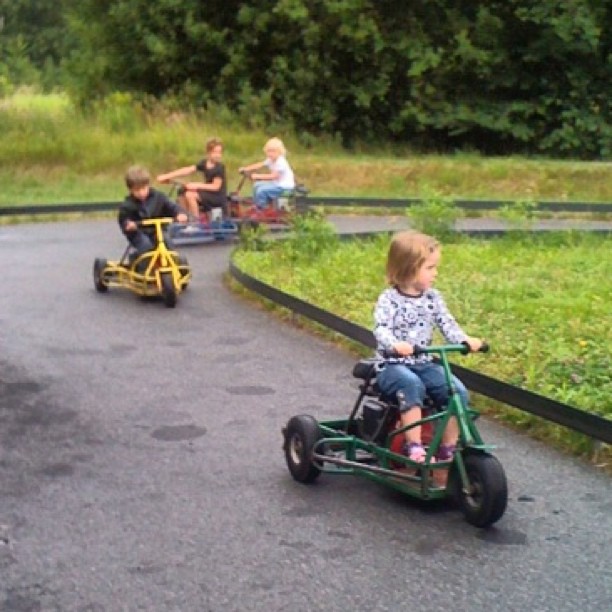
(311, 236)
(519, 215)
(435, 216)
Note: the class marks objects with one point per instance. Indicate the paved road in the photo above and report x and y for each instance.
(141, 465)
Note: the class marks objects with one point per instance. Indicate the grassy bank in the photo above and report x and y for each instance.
(542, 303)
(52, 152)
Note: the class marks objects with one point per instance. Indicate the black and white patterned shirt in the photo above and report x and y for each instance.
(402, 318)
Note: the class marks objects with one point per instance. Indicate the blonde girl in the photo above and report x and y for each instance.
(269, 185)
(406, 315)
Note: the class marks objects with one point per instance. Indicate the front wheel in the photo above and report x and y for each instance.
(98, 270)
(168, 290)
(301, 434)
(485, 500)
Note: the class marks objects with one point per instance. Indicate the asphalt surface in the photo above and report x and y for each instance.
(141, 465)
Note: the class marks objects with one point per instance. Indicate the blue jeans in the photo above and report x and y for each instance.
(264, 191)
(144, 242)
(416, 381)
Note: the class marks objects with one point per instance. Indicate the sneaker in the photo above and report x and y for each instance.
(446, 452)
(415, 452)
(191, 229)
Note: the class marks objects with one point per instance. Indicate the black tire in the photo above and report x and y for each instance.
(301, 434)
(98, 269)
(168, 290)
(486, 502)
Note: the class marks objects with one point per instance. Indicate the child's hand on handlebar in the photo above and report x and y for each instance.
(475, 344)
(130, 226)
(405, 349)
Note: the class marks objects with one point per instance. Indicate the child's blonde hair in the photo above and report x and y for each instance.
(136, 177)
(408, 251)
(276, 144)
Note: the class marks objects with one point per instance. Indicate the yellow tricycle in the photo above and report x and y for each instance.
(159, 272)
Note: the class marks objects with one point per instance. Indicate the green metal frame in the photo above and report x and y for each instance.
(364, 458)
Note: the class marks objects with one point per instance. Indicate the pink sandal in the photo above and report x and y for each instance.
(415, 452)
(446, 452)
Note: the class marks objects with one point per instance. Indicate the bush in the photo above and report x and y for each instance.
(311, 236)
(253, 238)
(436, 216)
(519, 215)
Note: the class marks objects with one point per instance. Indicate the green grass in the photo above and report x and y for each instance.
(542, 302)
(52, 152)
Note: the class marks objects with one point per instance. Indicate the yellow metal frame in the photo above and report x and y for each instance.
(159, 261)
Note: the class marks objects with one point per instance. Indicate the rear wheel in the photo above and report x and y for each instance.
(98, 269)
(168, 289)
(301, 434)
(485, 501)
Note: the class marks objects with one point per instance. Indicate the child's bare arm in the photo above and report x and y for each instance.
(270, 176)
(214, 185)
(255, 166)
(164, 178)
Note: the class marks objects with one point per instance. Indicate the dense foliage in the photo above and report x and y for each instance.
(496, 75)
(33, 39)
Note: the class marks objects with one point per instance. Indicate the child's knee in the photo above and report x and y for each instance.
(462, 391)
(406, 407)
(411, 395)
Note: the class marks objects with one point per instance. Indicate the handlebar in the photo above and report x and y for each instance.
(243, 177)
(177, 187)
(155, 221)
(463, 348)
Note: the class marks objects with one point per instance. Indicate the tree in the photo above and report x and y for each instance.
(494, 75)
(33, 38)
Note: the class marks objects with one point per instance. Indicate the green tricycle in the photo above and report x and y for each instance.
(368, 443)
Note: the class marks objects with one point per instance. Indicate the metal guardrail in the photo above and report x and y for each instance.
(313, 200)
(579, 207)
(591, 425)
(56, 209)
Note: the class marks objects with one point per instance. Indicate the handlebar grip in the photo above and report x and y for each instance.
(483, 349)
(417, 350)
(466, 348)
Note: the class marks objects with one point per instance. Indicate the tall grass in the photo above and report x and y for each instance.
(52, 151)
